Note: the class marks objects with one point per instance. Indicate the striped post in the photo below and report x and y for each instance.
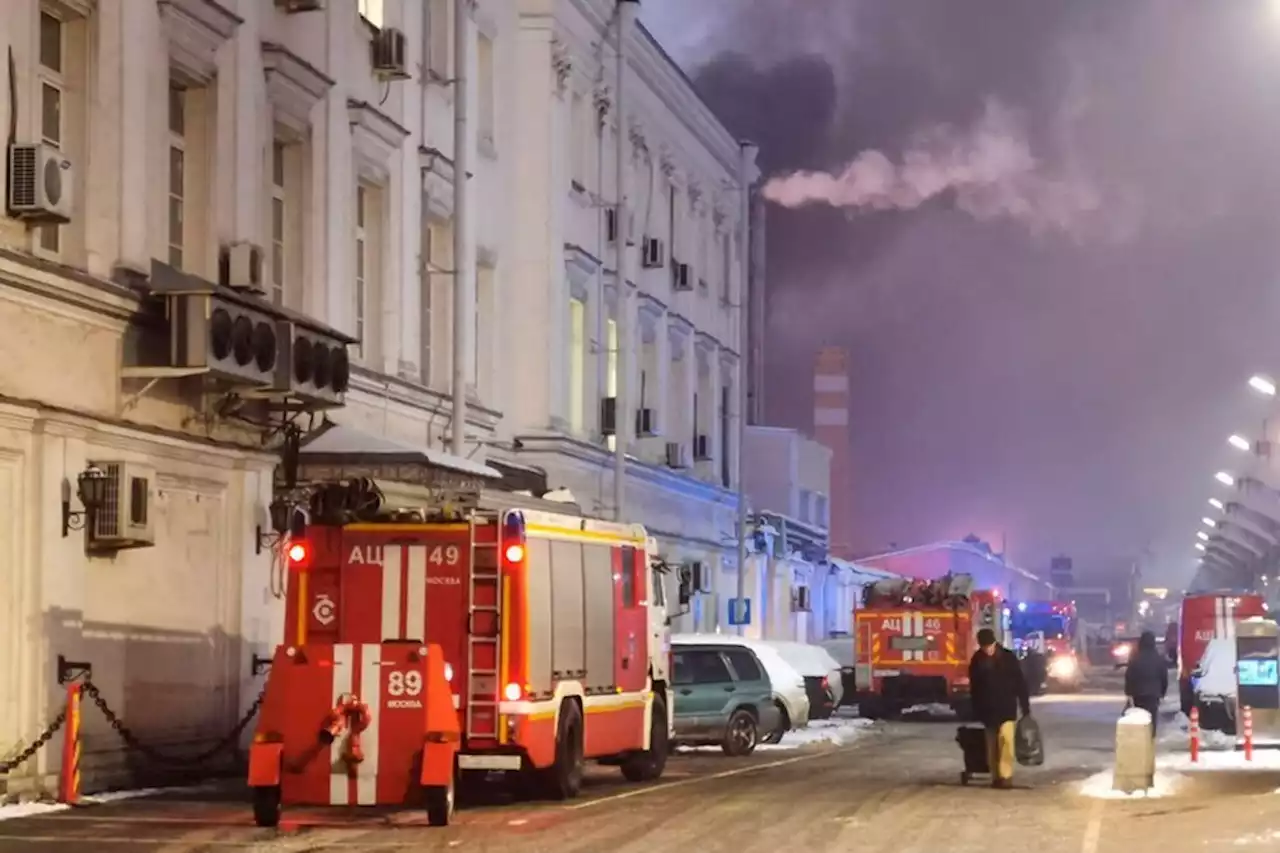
(1193, 729)
(1247, 719)
(69, 779)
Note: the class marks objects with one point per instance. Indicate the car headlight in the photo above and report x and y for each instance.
(1062, 667)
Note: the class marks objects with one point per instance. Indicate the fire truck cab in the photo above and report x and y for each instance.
(915, 640)
(550, 632)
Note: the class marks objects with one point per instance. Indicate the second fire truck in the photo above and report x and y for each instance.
(915, 640)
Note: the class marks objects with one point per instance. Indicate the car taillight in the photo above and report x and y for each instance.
(826, 683)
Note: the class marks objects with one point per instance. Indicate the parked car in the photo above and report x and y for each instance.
(1122, 649)
(1213, 686)
(842, 649)
(821, 674)
(788, 704)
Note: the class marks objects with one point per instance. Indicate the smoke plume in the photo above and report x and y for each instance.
(988, 168)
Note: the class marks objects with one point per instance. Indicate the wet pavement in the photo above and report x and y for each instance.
(896, 788)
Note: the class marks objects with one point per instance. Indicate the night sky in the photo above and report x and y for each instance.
(1055, 261)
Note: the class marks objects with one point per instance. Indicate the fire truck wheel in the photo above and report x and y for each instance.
(440, 800)
(563, 780)
(741, 734)
(266, 805)
(648, 765)
(784, 726)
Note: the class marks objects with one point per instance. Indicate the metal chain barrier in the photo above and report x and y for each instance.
(39, 743)
(200, 758)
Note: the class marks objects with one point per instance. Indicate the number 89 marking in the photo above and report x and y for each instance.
(404, 683)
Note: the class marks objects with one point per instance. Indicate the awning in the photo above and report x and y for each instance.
(344, 446)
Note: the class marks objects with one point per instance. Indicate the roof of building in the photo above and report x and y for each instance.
(953, 545)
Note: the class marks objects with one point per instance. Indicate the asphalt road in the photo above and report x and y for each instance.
(896, 789)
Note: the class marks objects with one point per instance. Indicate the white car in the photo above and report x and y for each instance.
(820, 671)
(788, 685)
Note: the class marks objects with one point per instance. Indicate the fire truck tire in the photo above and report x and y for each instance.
(266, 805)
(648, 765)
(440, 800)
(784, 726)
(563, 780)
(741, 734)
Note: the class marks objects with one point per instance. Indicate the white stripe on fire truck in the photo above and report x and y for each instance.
(919, 633)
(1219, 620)
(339, 791)
(1229, 613)
(415, 601)
(371, 696)
(391, 568)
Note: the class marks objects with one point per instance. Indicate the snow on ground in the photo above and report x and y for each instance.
(1218, 753)
(18, 810)
(933, 710)
(840, 731)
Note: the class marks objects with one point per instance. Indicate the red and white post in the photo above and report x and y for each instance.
(1246, 718)
(69, 778)
(1193, 729)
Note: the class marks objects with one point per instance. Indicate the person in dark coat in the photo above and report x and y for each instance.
(1146, 678)
(999, 692)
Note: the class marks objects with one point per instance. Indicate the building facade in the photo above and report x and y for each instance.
(831, 427)
(671, 324)
(297, 165)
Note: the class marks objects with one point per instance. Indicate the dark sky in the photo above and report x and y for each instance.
(1053, 309)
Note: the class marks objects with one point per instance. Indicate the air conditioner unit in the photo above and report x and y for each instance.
(646, 423)
(609, 416)
(240, 267)
(40, 183)
(681, 279)
(800, 602)
(611, 224)
(389, 55)
(291, 6)
(653, 254)
(701, 448)
(677, 457)
(233, 342)
(314, 368)
(124, 520)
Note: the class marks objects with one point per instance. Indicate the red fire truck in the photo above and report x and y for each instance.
(1206, 616)
(555, 646)
(915, 639)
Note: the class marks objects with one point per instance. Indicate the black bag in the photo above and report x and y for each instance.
(1028, 745)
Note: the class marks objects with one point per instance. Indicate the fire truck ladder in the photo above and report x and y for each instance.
(484, 620)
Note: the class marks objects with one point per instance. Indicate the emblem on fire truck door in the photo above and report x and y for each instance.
(324, 609)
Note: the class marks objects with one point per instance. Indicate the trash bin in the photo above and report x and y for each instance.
(1135, 752)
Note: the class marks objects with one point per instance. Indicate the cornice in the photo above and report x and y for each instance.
(294, 86)
(195, 30)
(375, 136)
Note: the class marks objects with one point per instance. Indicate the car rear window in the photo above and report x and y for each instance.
(744, 665)
(700, 666)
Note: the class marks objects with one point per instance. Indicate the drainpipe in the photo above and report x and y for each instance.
(746, 177)
(463, 268)
(624, 417)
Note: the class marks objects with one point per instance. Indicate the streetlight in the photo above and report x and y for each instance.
(1199, 546)
(1239, 442)
(1216, 504)
(1224, 478)
(1202, 536)
(1209, 522)
(1262, 385)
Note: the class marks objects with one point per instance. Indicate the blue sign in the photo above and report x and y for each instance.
(1259, 673)
(739, 611)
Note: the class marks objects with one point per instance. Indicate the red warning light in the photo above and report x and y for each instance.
(515, 553)
(298, 554)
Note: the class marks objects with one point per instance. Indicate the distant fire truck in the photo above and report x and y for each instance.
(1048, 632)
(555, 645)
(1206, 616)
(915, 640)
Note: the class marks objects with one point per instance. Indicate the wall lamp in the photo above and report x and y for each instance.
(285, 519)
(91, 487)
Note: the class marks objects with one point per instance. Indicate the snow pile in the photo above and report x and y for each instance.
(935, 709)
(1260, 838)
(36, 809)
(833, 732)
(1172, 769)
(1135, 717)
(1099, 786)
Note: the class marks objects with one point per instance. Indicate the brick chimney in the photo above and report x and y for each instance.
(831, 428)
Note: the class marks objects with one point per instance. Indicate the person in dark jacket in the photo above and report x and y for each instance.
(999, 691)
(1146, 678)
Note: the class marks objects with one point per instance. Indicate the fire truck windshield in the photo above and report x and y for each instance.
(1052, 625)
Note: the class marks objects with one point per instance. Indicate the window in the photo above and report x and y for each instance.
(278, 210)
(371, 11)
(52, 85)
(577, 364)
(579, 141)
(700, 666)
(611, 368)
(744, 665)
(628, 577)
(726, 268)
(802, 511)
(480, 332)
(485, 89)
(430, 267)
(362, 269)
(177, 174)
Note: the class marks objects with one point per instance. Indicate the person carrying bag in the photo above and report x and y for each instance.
(999, 692)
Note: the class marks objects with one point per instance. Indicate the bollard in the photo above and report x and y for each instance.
(1246, 717)
(69, 779)
(1193, 728)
